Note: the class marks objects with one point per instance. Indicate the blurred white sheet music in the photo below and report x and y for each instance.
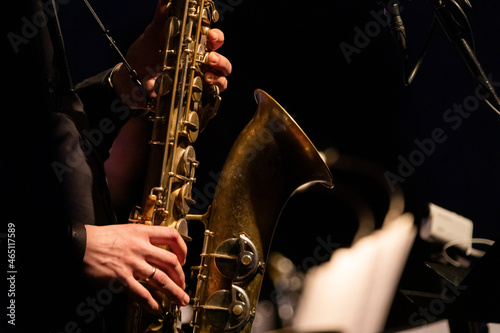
(353, 292)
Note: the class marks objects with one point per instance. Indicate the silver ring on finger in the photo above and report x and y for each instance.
(152, 274)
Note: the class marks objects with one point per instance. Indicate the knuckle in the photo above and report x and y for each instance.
(127, 281)
(165, 230)
(170, 259)
(140, 228)
(173, 231)
(171, 234)
(129, 261)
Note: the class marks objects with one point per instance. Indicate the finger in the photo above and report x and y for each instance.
(145, 272)
(164, 283)
(141, 295)
(219, 64)
(219, 81)
(215, 39)
(167, 262)
(168, 236)
(160, 16)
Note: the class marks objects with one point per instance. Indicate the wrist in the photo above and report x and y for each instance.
(124, 87)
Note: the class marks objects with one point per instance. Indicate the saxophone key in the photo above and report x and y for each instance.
(197, 89)
(183, 200)
(163, 84)
(184, 159)
(182, 227)
(191, 126)
(173, 27)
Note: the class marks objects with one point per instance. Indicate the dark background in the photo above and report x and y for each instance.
(291, 49)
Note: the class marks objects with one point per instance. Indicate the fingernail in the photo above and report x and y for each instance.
(213, 35)
(185, 300)
(213, 59)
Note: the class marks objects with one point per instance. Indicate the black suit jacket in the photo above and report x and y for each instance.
(54, 139)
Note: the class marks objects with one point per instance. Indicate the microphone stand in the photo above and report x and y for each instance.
(453, 20)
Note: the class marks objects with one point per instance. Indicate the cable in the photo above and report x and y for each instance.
(392, 13)
(132, 73)
(408, 78)
(470, 251)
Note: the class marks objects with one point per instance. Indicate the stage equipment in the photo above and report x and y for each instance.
(451, 16)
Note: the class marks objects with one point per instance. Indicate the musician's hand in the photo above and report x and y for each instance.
(127, 253)
(145, 56)
(220, 66)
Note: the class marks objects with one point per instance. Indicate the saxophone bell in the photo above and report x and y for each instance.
(270, 159)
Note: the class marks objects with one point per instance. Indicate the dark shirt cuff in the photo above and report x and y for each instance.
(78, 240)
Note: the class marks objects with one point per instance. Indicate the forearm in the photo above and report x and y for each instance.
(126, 166)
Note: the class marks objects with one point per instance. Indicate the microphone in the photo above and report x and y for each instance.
(398, 31)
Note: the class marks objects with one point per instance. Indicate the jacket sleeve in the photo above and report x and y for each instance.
(105, 112)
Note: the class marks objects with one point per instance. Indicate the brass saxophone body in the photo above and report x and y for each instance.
(184, 105)
(271, 158)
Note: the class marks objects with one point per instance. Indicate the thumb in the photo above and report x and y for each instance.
(158, 23)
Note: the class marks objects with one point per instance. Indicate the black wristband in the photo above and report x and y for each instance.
(79, 240)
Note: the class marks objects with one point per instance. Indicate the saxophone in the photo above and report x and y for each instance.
(270, 159)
